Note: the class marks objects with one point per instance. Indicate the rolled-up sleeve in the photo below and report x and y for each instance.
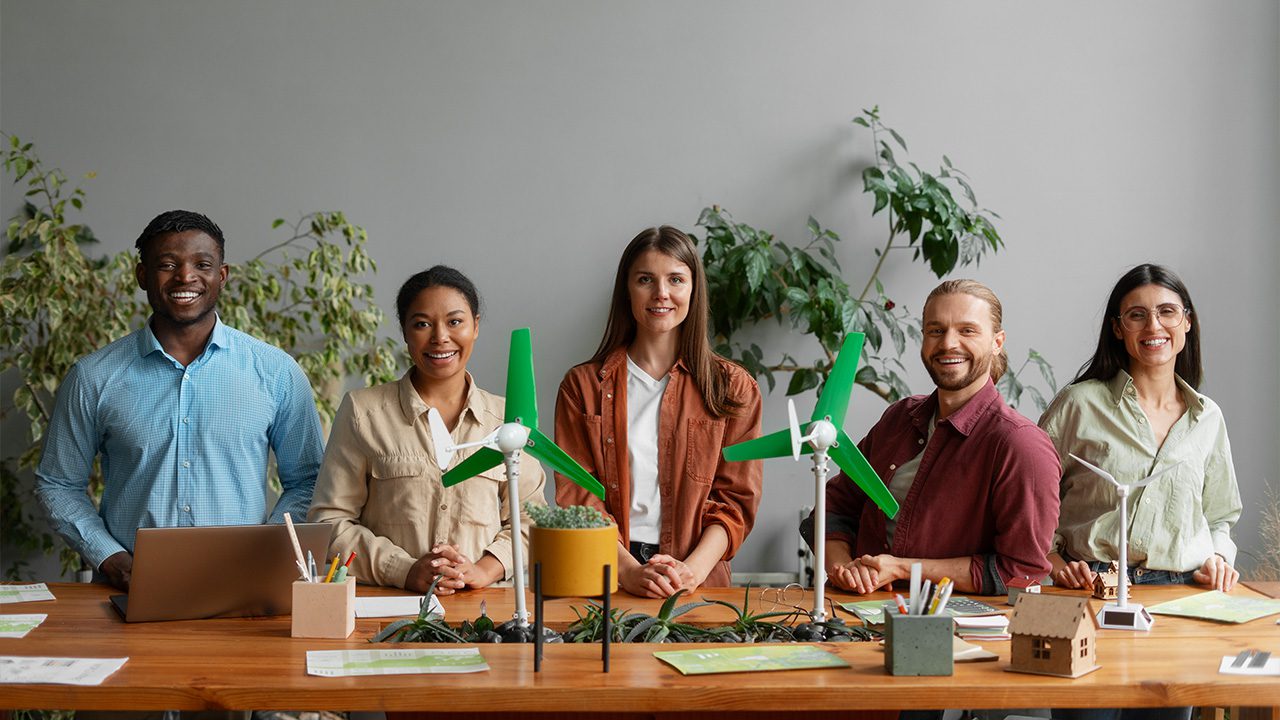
(735, 491)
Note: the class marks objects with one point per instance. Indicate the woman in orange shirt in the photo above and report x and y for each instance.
(648, 415)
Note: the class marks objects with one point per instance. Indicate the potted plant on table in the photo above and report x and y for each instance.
(574, 544)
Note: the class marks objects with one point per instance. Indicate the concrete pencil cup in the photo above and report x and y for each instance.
(917, 644)
(324, 610)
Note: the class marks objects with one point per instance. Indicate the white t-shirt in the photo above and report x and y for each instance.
(644, 401)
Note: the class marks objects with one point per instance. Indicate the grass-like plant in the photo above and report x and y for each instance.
(574, 517)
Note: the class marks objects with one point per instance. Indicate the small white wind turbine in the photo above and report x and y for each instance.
(1122, 614)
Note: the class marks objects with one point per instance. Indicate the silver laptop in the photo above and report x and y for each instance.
(225, 571)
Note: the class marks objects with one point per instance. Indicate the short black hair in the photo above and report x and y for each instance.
(438, 276)
(177, 221)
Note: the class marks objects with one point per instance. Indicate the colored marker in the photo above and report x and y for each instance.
(902, 604)
(350, 557)
(333, 567)
(341, 575)
(937, 596)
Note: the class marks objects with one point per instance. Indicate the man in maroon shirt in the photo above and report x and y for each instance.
(976, 481)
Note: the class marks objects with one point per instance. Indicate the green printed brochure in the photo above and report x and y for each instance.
(346, 663)
(754, 658)
(1217, 605)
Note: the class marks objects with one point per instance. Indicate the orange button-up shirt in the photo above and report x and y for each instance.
(697, 486)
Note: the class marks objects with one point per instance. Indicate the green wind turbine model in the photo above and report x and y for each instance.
(518, 433)
(825, 437)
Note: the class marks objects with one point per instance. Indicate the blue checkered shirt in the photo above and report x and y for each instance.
(179, 446)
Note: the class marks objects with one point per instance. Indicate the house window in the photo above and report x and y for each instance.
(1084, 647)
(1041, 649)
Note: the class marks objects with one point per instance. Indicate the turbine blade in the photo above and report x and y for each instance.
(522, 393)
(1097, 470)
(851, 461)
(834, 401)
(1147, 481)
(440, 438)
(476, 463)
(794, 425)
(773, 445)
(541, 447)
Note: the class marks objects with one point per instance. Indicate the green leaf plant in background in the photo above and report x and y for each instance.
(752, 276)
(58, 304)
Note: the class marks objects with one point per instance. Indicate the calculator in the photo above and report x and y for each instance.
(959, 605)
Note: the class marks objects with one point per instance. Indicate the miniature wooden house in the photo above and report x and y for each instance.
(1053, 635)
(1106, 583)
(1017, 586)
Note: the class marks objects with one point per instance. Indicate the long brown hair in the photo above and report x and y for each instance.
(704, 365)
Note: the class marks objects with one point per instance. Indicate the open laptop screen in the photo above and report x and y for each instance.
(224, 571)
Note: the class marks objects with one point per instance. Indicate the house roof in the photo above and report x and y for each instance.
(1055, 616)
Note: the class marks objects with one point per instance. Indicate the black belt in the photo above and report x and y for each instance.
(642, 551)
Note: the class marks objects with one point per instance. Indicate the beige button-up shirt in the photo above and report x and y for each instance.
(1176, 522)
(379, 485)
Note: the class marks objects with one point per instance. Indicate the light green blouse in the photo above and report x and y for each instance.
(1176, 522)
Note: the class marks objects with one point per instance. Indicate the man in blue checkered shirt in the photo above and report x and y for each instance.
(183, 413)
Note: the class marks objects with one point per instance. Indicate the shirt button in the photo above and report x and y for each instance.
(613, 486)
(609, 440)
(444, 506)
(893, 467)
(185, 377)
(186, 463)
(601, 373)
(920, 441)
(1142, 421)
(609, 395)
(186, 508)
(186, 420)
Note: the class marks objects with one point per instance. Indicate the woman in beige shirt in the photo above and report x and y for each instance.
(379, 485)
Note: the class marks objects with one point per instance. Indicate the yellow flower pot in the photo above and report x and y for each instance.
(573, 560)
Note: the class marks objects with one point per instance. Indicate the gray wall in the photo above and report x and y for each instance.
(527, 142)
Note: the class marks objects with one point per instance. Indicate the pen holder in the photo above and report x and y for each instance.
(917, 644)
(324, 610)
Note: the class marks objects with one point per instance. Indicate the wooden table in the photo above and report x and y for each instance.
(252, 663)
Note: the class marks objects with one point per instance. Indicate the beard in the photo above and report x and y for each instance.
(979, 367)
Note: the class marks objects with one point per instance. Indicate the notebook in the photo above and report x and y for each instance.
(190, 573)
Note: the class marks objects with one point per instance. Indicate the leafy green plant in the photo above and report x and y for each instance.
(300, 294)
(428, 626)
(663, 627)
(749, 627)
(752, 276)
(589, 627)
(574, 517)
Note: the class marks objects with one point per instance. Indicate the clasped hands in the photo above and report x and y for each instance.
(662, 576)
(868, 573)
(1215, 573)
(456, 571)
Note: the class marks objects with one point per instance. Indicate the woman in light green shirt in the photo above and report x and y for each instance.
(1134, 410)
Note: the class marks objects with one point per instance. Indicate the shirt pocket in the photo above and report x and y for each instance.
(479, 499)
(702, 455)
(398, 489)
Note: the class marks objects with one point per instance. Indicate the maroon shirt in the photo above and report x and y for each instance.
(987, 487)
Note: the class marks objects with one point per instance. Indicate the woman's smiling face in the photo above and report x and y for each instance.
(440, 331)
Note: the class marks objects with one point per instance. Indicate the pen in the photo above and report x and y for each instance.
(311, 566)
(297, 548)
(350, 557)
(333, 567)
(923, 601)
(937, 596)
(946, 596)
(902, 604)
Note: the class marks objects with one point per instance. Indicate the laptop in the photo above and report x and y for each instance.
(190, 573)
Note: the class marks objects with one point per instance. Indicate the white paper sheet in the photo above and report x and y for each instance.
(36, 592)
(1271, 668)
(399, 661)
(58, 671)
(16, 626)
(396, 606)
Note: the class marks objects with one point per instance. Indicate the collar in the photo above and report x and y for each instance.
(1122, 385)
(964, 419)
(617, 358)
(148, 343)
(412, 404)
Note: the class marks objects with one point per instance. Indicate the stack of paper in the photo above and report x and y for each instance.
(983, 627)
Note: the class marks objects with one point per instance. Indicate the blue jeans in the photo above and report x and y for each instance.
(1137, 576)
